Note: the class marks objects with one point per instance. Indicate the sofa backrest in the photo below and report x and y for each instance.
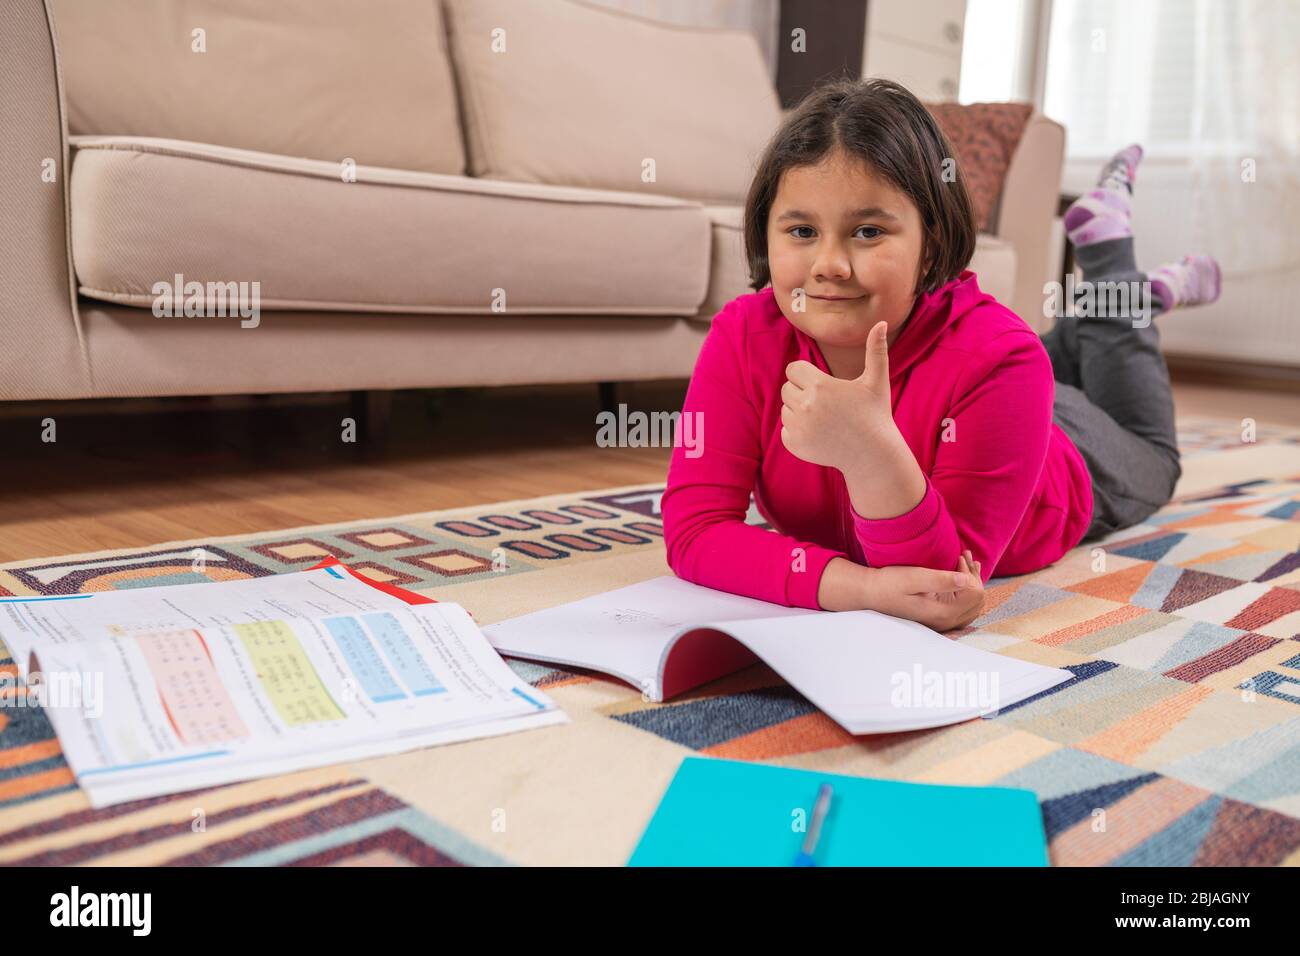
(558, 92)
(322, 79)
(566, 92)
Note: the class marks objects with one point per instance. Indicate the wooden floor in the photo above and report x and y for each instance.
(134, 473)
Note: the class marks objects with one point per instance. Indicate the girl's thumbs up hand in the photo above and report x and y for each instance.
(838, 422)
(875, 374)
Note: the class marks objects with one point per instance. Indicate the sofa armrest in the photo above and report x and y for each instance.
(1026, 209)
(44, 354)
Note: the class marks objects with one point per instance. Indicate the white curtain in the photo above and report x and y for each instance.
(1247, 97)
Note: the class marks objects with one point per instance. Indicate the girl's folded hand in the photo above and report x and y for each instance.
(942, 600)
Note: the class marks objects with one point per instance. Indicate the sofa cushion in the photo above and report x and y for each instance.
(728, 270)
(144, 210)
(327, 79)
(135, 354)
(582, 96)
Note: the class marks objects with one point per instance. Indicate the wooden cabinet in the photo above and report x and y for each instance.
(918, 43)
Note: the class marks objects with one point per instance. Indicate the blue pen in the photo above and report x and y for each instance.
(823, 805)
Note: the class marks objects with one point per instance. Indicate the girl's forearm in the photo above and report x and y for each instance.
(887, 482)
(844, 586)
(937, 599)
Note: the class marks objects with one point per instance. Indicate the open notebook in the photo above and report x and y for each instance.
(869, 672)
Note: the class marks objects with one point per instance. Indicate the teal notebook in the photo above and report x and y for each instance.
(731, 813)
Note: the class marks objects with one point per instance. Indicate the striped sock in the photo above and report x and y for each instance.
(1193, 280)
(1103, 212)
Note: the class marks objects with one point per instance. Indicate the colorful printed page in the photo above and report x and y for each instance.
(31, 623)
(162, 690)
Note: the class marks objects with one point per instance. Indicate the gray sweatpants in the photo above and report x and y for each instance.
(1113, 398)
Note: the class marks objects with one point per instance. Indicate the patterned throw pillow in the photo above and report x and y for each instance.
(984, 137)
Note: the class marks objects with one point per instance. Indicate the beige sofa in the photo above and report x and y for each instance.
(426, 194)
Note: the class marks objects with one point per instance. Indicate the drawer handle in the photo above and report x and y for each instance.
(952, 32)
(948, 86)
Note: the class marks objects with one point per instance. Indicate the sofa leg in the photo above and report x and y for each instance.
(372, 411)
(607, 396)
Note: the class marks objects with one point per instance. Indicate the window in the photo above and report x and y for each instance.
(997, 53)
(1177, 76)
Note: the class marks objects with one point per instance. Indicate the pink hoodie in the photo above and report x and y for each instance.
(1008, 484)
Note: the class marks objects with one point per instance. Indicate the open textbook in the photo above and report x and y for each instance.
(165, 689)
(869, 672)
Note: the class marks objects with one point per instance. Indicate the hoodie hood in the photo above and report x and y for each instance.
(931, 317)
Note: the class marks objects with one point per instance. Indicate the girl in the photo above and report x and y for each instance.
(905, 434)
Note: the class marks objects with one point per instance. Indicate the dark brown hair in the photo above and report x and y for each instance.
(884, 125)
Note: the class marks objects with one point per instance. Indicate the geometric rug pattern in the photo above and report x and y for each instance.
(1176, 742)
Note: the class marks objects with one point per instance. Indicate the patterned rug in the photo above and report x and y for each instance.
(1177, 742)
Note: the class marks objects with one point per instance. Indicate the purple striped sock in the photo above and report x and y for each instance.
(1193, 280)
(1098, 215)
(1103, 213)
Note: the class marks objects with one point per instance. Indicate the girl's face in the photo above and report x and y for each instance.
(839, 229)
